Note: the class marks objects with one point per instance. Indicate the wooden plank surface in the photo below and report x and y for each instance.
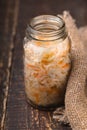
(6, 46)
(17, 114)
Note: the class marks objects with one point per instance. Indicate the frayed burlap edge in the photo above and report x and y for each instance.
(75, 111)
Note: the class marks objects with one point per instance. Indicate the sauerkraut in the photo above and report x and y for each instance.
(46, 68)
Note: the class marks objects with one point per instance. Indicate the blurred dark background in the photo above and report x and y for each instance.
(12, 31)
(31, 8)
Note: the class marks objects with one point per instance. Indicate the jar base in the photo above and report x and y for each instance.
(51, 107)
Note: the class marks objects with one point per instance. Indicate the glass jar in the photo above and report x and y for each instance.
(46, 61)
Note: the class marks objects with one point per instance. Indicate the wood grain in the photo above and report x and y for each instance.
(5, 55)
(16, 113)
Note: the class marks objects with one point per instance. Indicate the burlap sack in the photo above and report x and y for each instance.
(76, 92)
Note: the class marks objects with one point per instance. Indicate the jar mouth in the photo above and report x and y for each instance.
(46, 27)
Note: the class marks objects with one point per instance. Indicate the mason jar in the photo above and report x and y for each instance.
(46, 61)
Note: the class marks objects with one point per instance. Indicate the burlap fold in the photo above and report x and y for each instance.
(76, 92)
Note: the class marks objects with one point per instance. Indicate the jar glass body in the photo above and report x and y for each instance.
(46, 63)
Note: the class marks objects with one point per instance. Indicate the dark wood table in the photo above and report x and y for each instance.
(15, 113)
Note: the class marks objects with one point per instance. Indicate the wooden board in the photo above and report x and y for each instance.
(5, 53)
(17, 114)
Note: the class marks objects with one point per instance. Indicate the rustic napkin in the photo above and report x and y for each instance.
(75, 111)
